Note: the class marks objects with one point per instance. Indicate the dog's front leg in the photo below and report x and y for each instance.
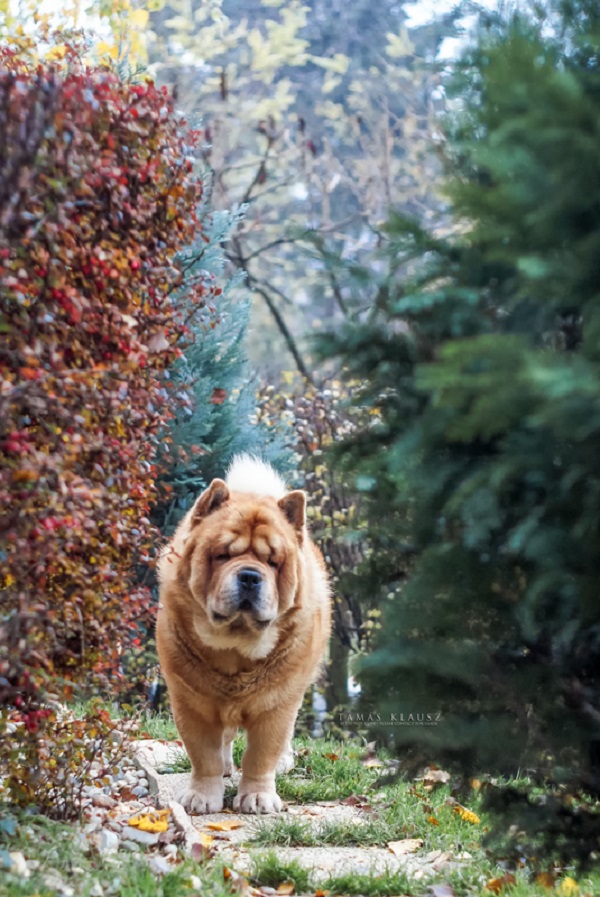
(269, 737)
(203, 742)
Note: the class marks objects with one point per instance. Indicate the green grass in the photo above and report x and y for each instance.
(268, 870)
(318, 776)
(157, 725)
(372, 885)
(396, 811)
(57, 852)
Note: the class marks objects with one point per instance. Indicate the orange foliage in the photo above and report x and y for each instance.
(97, 196)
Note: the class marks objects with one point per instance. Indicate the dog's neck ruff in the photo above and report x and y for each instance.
(242, 683)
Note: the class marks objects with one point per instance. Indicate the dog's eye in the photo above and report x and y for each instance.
(273, 563)
(221, 557)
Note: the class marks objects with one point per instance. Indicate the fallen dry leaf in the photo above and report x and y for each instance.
(442, 890)
(467, 815)
(332, 757)
(495, 885)
(461, 811)
(236, 881)
(407, 845)
(226, 826)
(155, 821)
(372, 763)
(545, 879)
(433, 777)
(286, 887)
(201, 851)
(353, 799)
(432, 820)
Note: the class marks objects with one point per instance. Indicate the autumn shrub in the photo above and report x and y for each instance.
(97, 197)
(50, 758)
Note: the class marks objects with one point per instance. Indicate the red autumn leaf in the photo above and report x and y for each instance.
(218, 396)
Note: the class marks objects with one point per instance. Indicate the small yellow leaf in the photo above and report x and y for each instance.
(286, 887)
(467, 815)
(226, 826)
(155, 821)
(206, 840)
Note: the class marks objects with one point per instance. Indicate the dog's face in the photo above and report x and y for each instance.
(242, 562)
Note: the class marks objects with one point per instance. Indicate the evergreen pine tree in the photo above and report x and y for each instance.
(217, 418)
(482, 366)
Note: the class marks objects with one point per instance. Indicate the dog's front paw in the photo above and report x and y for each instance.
(203, 796)
(257, 802)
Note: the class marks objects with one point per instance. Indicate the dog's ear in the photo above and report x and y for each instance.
(293, 506)
(210, 500)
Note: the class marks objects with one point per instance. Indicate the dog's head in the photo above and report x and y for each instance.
(243, 563)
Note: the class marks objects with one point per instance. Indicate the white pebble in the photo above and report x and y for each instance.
(160, 865)
(131, 845)
(140, 791)
(106, 841)
(19, 865)
(134, 834)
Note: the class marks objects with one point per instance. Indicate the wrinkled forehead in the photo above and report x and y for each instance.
(259, 532)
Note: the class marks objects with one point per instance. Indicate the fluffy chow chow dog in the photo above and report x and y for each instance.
(243, 622)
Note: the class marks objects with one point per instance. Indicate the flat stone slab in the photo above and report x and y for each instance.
(157, 754)
(323, 862)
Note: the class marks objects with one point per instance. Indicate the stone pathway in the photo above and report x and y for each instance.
(135, 808)
(233, 847)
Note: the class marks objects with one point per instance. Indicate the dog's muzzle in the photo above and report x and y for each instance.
(249, 584)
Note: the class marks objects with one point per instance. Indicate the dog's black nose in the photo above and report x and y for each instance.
(249, 579)
(249, 582)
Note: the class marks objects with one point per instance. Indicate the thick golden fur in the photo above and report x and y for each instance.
(230, 662)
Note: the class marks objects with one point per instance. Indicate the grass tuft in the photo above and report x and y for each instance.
(384, 885)
(270, 871)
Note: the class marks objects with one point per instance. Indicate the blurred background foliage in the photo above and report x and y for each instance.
(480, 359)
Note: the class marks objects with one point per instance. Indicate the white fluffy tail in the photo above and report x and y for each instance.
(249, 474)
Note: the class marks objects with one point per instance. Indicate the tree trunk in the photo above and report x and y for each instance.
(336, 691)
